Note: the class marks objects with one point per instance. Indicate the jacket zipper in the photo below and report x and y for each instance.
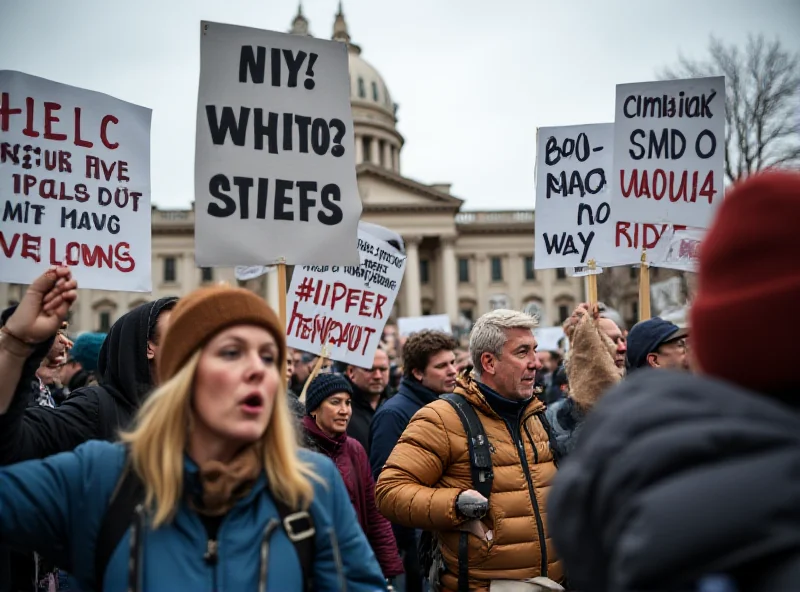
(211, 558)
(526, 470)
(263, 570)
(539, 523)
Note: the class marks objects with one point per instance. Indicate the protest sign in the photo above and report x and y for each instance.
(244, 273)
(408, 325)
(669, 139)
(573, 206)
(74, 184)
(345, 307)
(275, 177)
(583, 271)
(678, 249)
(549, 338)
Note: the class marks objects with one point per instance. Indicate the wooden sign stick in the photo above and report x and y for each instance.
(282, 292)
(644, 288)
(323, 355)
(592, 281)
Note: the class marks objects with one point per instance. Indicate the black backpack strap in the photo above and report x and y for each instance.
(480, 460)
(118, 517)
(555, 448)
(480, 455)
(299, 527)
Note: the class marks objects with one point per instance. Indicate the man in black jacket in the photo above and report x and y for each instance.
(370, 389)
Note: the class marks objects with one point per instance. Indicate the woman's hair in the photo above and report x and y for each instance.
(161, 434)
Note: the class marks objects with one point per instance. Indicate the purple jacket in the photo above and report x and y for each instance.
(351, 460)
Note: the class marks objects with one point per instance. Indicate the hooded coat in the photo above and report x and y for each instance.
(677, 478)
(90, 413)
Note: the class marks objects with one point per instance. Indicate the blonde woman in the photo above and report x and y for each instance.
(209, 491)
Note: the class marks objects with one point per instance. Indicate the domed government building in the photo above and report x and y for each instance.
(462, 263)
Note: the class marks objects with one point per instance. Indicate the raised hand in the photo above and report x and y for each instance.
(44, 306)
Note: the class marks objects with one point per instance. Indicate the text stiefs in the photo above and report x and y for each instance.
(278, 199)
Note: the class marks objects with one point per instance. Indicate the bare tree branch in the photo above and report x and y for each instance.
(762, 104)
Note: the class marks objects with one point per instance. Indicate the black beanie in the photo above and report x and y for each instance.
(322, 387)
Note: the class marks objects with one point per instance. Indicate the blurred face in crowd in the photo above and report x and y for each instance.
(68, 370)
(462, 359)
(289, 364)
(236, 384)
(301, 369)
(440, 373)
(334, 414)
(548, 362)
(375, 379)
(614, 333)
(513, 373)
(672, 355)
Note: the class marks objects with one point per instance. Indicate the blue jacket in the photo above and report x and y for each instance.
(56, 505)
(391, 420)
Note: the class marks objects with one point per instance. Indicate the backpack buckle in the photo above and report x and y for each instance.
(299, 534)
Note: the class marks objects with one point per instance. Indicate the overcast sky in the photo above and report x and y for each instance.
(473, 79)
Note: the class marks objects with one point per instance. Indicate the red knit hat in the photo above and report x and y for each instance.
(749, 279)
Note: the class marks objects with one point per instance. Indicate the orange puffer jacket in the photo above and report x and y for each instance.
(430, 466)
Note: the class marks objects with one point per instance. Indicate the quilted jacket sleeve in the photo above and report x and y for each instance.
(408, 491)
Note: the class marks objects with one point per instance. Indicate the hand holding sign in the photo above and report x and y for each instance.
(44, 306)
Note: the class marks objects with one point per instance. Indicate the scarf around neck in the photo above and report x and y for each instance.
(224, 484)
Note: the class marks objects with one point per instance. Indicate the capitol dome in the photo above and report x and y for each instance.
(377, 140)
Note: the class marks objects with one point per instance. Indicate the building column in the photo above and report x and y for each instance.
(371, 154)
(85, 321)
(450, 278)
(359, 150)
(5, 296)
(190, 280)
(516, 277)
(548, 278)
(412, 305)
(481, 282)
(387, 155)
(396, 159)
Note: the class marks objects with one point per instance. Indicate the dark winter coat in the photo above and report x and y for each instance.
(363, 413)
(678, 477)
(353, 465)
(90, 413)
(391, 419)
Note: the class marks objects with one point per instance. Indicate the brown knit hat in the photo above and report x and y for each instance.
(205, 312)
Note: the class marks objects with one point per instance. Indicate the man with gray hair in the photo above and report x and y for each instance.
(431, 479)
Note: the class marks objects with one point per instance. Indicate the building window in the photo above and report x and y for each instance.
(424, 271)
(105, 322)
(207, 274)
(169, 270)
(633, 273)
(563, 313)
(380, 154)
(497, 269)
(366, 144)
(362, 93)
(463, 270)
(468, 314)
(635, 312)
(530, 272)
(561, 273)
(374, 91)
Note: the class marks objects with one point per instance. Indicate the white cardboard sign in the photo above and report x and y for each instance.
(275, 177)
(573, 205)
(344, 308)
(669, 139)
(678, 249)
(408, 325)
(74, 184)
